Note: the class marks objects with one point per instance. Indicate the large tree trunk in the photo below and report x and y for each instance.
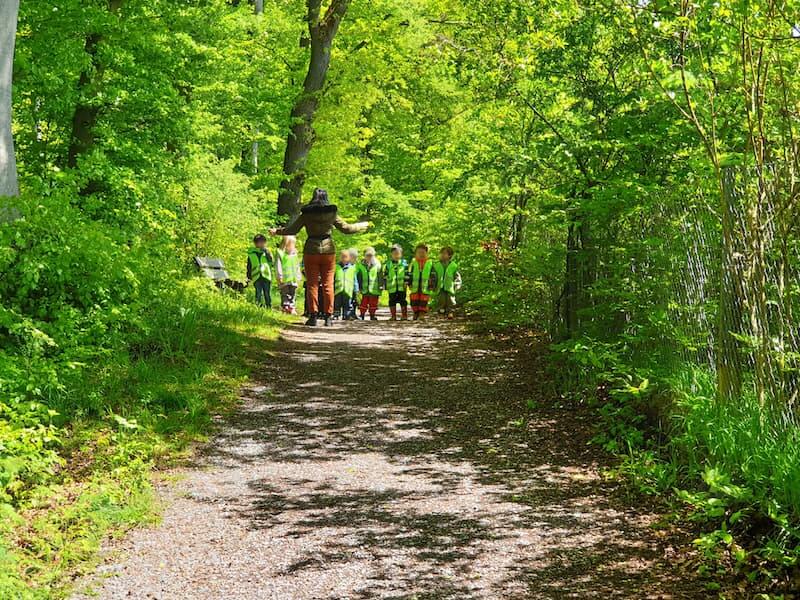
(301, 134)
(8, 163)
(88, 109)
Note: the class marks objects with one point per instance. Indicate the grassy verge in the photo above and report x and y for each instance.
(152, 403)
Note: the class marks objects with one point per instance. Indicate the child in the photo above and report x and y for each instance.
(259, 270)
(448, 282)
(345, 287)
(354, 261)
(287, 271)
(369, 282)
(420, 275)
(395, 275)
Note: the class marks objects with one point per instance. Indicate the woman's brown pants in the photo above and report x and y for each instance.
(320, 267)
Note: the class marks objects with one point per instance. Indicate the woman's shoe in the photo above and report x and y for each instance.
(312, 321)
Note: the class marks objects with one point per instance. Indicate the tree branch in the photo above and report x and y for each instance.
(334, 15)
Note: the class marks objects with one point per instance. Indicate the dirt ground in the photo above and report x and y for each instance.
(399, 460)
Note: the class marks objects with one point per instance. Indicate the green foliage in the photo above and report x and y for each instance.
(572, 152)
(66, 487)
(112, 356)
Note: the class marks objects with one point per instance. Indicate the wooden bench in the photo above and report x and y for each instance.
(214, 269)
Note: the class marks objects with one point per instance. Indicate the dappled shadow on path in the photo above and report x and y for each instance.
(408, 450)
(399, 460)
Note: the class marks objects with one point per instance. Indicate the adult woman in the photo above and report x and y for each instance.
(319, 217)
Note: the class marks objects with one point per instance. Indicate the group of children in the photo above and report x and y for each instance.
(358, 285)
(286, 267)
(417, 282)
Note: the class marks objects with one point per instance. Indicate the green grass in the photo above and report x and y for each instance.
(748, 455)
(136, 413)
(734, 466)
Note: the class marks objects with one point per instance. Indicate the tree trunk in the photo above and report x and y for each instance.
(571, 281)
(8, 163)
(757, 296)
(518, 220)
(301, 134)
(580, 271)
(729, 319)
(88, 109)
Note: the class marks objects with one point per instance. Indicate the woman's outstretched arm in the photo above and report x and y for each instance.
(291, 229)
(350, 228)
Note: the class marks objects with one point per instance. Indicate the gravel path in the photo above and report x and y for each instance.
(397, 460)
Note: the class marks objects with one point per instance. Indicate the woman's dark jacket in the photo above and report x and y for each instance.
(319, 221)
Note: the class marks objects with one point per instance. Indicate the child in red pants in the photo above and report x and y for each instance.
(420, 275)
(369, 282)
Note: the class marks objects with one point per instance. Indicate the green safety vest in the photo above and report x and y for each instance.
(420, 278)
(344, 280)
(260, 267)
(395, 274)
(446, 277)
(289, 266)
(370, 279)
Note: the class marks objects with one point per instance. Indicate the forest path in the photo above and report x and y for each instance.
(388, 460)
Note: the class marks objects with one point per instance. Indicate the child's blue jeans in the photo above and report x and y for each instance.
(343, 306)
(263, 296)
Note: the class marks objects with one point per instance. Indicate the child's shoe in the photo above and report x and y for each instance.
(328, 321)
(312, 321)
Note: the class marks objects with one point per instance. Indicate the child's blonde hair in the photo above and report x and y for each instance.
(286, 239)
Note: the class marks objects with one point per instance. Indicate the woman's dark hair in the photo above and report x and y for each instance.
(320, 197)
